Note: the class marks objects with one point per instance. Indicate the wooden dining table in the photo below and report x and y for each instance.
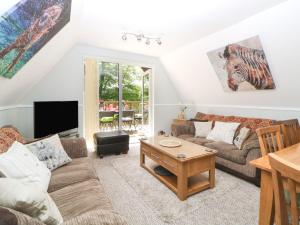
(267, 203)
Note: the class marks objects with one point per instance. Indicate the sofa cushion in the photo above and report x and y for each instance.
(79, 198)
(196, 140)
(99, 217)
(228, 151)
(78, 170)
(251, 123)
(187, 137)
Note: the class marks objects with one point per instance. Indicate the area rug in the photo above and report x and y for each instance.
(229, 190)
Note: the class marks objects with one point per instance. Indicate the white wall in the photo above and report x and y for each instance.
(65, 82)
(198, 85)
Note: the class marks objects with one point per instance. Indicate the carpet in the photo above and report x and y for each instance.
(142, 199)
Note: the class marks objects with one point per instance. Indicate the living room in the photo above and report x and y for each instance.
(145, 91)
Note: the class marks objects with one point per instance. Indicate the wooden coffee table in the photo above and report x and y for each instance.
(188, 172)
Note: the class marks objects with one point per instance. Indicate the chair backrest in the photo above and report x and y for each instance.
(291, 172)
(291, 132)
(106, 114)
(128, 113)
(270, 139)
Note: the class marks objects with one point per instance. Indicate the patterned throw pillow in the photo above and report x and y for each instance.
(5, 142)
(13, 133)
(241, 138)
(50, 151)
(29, 199)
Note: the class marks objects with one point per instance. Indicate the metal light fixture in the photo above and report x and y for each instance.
(141, 36)
(124, 37)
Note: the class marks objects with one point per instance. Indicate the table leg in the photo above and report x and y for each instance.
(212, 173)
(267, 204)
(182, 182)
(142, 158)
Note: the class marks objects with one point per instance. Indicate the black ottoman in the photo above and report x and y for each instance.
(116, 142)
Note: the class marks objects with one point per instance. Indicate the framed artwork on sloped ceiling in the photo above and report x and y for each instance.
(242, 66)
(26, 28)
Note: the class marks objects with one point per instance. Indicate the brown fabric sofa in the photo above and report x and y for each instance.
(229, 158)
(77, 192)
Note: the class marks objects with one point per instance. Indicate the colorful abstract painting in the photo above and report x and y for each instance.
(242, 66)
(26, 28)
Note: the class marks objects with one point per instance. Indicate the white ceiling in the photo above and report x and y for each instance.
(101, 23)
(177, 21)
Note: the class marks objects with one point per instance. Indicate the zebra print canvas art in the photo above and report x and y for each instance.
(242, 66)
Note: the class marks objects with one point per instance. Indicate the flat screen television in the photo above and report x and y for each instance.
(54, 117)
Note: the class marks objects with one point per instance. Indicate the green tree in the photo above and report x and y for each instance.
(132, 82)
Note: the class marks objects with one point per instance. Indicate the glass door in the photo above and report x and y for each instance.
(124, 98)
(145, 99)
(109, 96)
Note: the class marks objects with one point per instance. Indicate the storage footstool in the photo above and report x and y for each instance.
(116, 142)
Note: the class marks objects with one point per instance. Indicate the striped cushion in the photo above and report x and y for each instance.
(97, 217)
(77, 199)
(77, 171)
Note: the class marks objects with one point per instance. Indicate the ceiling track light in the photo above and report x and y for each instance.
(139, 37)
(124, 37)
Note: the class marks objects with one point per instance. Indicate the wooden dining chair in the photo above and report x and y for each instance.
(286, 200)
(270, 139)
(291, 132)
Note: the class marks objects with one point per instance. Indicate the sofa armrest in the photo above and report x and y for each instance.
(75, 147)
(254, 153)
(99, 217)
(180, 129)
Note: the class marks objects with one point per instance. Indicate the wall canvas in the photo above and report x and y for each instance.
(26, 28)
(242, 66)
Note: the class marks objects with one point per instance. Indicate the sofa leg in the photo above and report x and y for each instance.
(117, 153)
(101, 156)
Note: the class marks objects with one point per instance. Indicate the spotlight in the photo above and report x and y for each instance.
(139, 37)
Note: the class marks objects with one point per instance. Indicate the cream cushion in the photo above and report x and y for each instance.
(19, 163)
(202, 129)
(223, 131)
(29, 199)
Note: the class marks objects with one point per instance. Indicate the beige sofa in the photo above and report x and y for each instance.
(77, 192)
(229, 157)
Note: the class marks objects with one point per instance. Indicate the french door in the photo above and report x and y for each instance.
(124, 93)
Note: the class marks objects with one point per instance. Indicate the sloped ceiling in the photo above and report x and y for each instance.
(278, 28)
(12, 90)
(101, 24)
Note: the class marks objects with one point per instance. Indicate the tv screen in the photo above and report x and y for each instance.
(54, 117)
